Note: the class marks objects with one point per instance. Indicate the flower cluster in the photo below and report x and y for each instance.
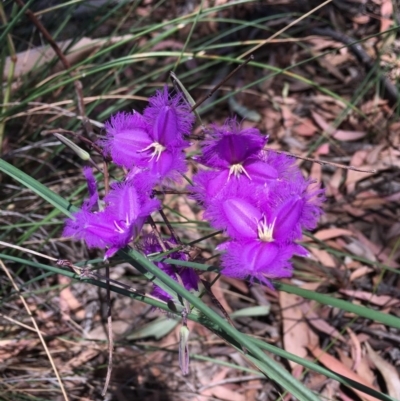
(150, 147)
(128, 204)
(152, 142)
(260, 199)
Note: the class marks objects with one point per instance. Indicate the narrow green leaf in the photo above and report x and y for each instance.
(259, 310)
(265, 363)
(38, 188)
(363, 311)
(158, 328)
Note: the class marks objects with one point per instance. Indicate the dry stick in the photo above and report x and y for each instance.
(81, 273)
(171, 192)
(207, 287)
(284, 29)
(170, 228)
(106, 176)
(157, 234)
(321, 162)
(37, 330)
(204, 98)
(78, 85)
(108, 289)
(110, 333)
(87, 141)
(84, 272)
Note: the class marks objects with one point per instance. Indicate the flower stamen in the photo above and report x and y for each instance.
(158, 149)
(120, 229)
(265, 230)
(236, 170)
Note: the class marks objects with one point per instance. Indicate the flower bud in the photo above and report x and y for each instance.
(79, 151)
(184, 350)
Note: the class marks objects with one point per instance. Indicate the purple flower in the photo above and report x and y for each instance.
(128, 134)
(258, 260)
(282, 211)
(263, 225)
(153, 142)
(92, 188)
(170, 117)
(237, 158)
(229, 147)
(188, 276)
(121, 221)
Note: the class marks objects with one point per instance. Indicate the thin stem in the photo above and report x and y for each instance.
(10, 76)
(216, 87)
(78, 85)
(322, 162)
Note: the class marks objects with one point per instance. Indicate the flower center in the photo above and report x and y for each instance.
(121, 228)
(265, 230)
(158, 149)
(236, 170)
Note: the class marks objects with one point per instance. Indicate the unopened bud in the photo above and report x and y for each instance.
(185, 93)
(184, 350)
(79, 151)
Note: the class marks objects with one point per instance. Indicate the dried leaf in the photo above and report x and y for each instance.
(386, 12)
(388, 372)
(338, 367)
(381, 300)
(340, 135)
(38, 56)
(297, 335)
(319, 323)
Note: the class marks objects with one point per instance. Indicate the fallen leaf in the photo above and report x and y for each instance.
(338, 367)
(38, 56)
(381, 300)
(320, 324)
(386, 12)
(219, 294)
(360, 272)
(388, 372)
(340, 135)
(304, 127)
(238, 284)
(68, 301)
(330, 233)
(323, 257)
(355, 349)
(297, 335)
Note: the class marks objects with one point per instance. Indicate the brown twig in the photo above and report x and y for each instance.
(170, 228)
(85, 140)
(106, 177)
(204, 98)
(110, 333)
(171, 192)
(78, 85)
(157, 234)
(207, 287)
(84, 272)
(42, 340)
(321, 162)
